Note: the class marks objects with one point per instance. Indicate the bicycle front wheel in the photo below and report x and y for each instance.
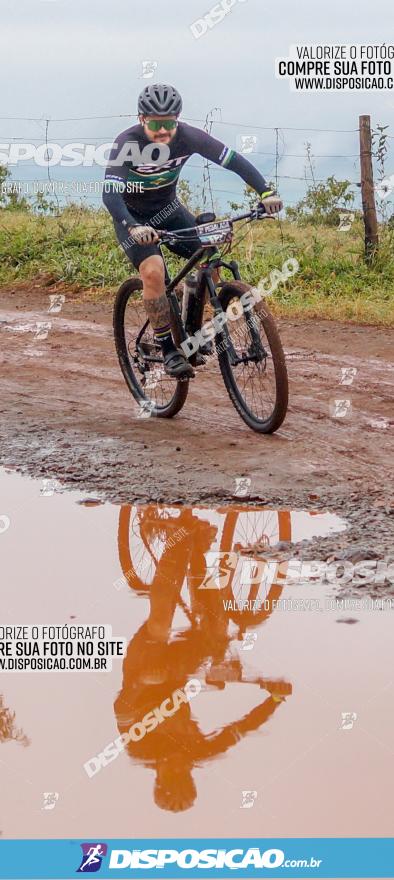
(140, 357)
(252, 361)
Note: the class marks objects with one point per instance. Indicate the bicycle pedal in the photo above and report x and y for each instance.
(200, 360)
(148, 348)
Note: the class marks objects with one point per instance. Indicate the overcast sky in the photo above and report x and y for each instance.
(66, 58)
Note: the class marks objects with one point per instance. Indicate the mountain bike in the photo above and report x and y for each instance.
(247, 342)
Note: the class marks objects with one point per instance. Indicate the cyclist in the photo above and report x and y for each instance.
(142, 197)
(163, 654)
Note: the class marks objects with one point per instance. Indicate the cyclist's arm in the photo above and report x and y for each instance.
(234, 732)
(214, 150)
(115, 187)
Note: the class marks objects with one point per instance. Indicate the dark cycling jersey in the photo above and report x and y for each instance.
(148, 188)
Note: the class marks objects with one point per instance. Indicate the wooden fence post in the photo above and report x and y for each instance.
(367, 189)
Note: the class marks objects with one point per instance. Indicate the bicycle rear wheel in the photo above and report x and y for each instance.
(257, 383)
(140, 357)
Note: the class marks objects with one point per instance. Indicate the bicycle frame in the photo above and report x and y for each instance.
(204, 283)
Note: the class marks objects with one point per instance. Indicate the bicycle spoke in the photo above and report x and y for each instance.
(256, 380)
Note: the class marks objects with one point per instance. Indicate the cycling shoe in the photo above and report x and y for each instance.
(177, 366)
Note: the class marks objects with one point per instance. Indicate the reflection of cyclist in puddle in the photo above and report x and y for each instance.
(158, 663)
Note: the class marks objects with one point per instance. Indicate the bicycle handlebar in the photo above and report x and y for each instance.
(220, 677)
(255, 214)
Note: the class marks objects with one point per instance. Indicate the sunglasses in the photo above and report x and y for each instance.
(157, 124)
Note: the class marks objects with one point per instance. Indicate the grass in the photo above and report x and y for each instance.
(79, 248)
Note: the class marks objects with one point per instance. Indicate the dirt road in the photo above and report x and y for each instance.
(65, 413)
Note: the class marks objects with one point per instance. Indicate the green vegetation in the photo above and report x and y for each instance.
(323, 204)
(78, 247)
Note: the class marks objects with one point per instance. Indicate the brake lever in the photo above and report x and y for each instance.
(262, 215)
(166, 235)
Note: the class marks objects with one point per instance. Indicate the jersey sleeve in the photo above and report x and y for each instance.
(114, 187)
(220, 742)
(215, 151)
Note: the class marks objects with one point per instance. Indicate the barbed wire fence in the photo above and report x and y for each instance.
(270, 162)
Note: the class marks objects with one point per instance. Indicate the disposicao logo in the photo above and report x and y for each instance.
(92, 856)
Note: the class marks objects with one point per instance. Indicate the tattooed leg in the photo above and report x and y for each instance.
(152, 275)
(156, 303)
(158, 311)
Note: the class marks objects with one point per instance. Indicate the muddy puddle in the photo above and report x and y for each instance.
(232, 712)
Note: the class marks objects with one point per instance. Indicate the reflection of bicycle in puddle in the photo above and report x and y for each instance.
(239, 560)
(189, 634)
(232, 560)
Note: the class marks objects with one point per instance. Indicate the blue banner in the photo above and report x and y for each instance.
(202, 857)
